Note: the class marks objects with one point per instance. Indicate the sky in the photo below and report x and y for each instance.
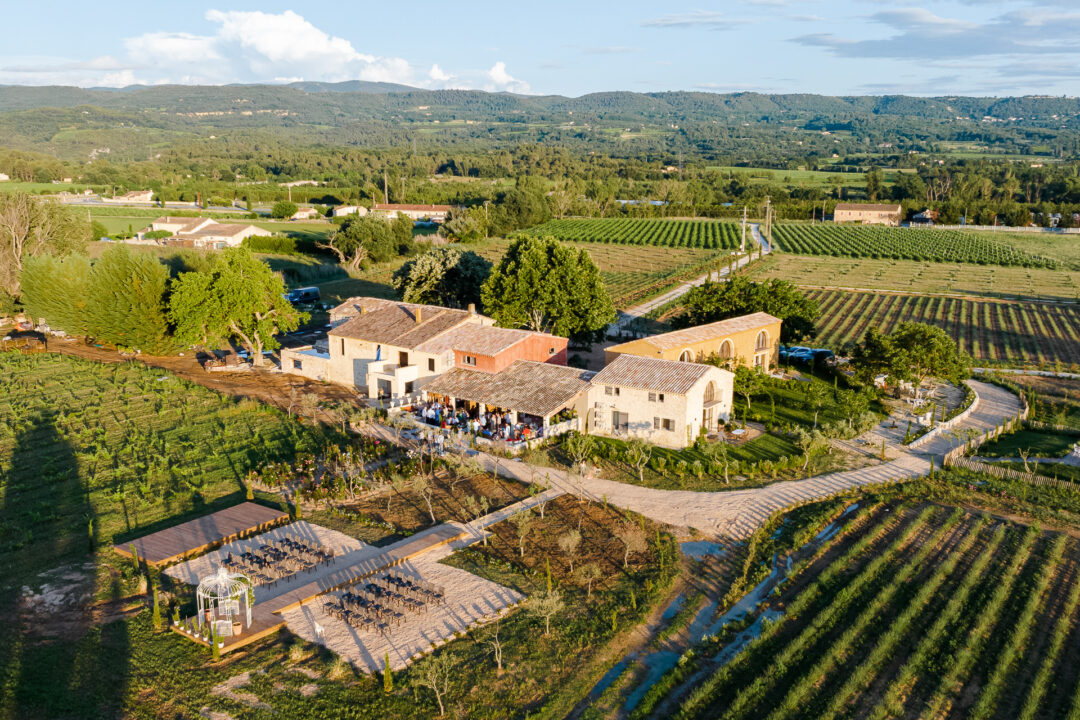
(832, 47)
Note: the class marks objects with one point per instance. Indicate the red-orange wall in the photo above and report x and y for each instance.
(536, 348)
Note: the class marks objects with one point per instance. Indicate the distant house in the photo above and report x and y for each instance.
(926, 217)
(750, 340)
(868, 213)
(433, 213)
(4, 177)
(664, 402)
(305, 214)
(135, 196)
(203, 232)
(346, 210)
(392, 349)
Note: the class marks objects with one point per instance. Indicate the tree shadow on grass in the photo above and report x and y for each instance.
(51, 659)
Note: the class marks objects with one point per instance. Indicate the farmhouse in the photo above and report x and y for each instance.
(662, 401)
(346, 210)
(750, 340)
(135, 196)
(432, 213)
(868, 214)
(305, 214)
(203, 232)
(4, 177)
(391, 349)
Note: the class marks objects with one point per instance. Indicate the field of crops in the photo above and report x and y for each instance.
(99, 450)
(927, 612)
(904, 244)
(708, 234)
(991, 332)
(630, 273)
(919, 277)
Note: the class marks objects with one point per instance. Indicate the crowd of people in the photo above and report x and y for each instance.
(492, 425)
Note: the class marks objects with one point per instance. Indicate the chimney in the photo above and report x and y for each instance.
(418, 316)
(472, 308)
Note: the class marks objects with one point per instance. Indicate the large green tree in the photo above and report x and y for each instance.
(544, 285)
(719, 301)
(57, 290)
(914, 352)
(237, 298)
(360, 239)
(127, 296)
(445, 276)
(31, 226)
(283, 209)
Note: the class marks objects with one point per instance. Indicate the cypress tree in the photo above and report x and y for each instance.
(387, 676)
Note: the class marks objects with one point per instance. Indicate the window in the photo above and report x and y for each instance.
(668, 425)
(710, 392)
(551, 351)
(297, 365)
(759, 361)
(609, 390)
(656, 397)
(431, 364)
(403, 359)
(342, 346)
(408, 388)
(620, 421)
(686, 356)
(762, 341)
(727, 350)
(656, 423)
(470, 360)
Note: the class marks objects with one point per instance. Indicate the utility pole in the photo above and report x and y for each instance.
(768, 215)
(742, 245)
(385, 188)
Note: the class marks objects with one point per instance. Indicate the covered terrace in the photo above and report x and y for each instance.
(525, 401)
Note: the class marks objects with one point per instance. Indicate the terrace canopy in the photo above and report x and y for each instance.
(524, 388)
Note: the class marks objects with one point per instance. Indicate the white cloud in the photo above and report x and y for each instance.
(499, 80)
(244, 46)
(697, 19)
(439, 77)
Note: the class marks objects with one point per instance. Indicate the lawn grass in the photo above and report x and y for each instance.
(1038, 443)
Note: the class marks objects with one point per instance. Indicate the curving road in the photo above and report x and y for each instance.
(738, 513)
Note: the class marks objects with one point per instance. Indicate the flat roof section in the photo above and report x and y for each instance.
(203, 533)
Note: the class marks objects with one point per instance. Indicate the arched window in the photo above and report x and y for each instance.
(710, 392)
(762, 341)
(727, 350)
(686, 356)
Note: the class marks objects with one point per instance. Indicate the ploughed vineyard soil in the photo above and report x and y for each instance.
(990, 331)
(912, 611)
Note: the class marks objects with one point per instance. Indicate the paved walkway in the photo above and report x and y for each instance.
(737, 513)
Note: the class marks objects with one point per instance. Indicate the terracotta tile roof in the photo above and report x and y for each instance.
(475, 339)
(530, 387)
(394, 323)
(867, 207)
(711, 331)
(220, 230)
(412, 208)
(652, 374)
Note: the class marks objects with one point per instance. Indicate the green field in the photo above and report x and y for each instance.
(105, 450)
(918, 277)
(1007, 333)
(708, 234)
(949, 246)
(924, 612)
(803, 178)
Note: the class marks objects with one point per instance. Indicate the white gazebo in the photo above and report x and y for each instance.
(218, 601)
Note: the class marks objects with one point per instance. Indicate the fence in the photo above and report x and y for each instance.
(975, 442)
(997, 228)
(947, 424)
(1010, 474)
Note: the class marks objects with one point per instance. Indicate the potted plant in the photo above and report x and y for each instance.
(237, 627)
(176, 615)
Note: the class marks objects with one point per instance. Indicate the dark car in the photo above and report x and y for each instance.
(303, 295)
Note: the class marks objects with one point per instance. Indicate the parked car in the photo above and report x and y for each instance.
(303, 295)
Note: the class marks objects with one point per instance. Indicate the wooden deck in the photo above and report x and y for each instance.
(266, 616)
(201, 534)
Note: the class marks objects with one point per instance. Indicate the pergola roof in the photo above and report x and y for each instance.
(534, 388)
